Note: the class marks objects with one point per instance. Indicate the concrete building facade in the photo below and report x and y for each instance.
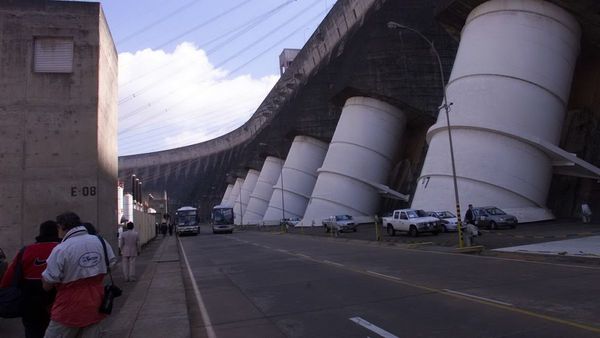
(58, 117)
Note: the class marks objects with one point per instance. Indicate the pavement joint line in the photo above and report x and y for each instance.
(483, 301)
(478, 297)
(382, 275)
(210, 332)
(372, 327)
(333, 263)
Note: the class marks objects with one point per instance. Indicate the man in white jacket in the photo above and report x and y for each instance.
(76, 268)
(129, 243)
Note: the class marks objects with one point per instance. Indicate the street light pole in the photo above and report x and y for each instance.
(446, 106)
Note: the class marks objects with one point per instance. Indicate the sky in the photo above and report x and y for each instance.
(193, 70)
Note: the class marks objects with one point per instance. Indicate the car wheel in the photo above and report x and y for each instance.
(391, 231)
(493, 225)
(413, 231)
(435, 233)
(355, 230)
(444, 229)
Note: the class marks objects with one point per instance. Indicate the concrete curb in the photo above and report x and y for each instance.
(156, 307)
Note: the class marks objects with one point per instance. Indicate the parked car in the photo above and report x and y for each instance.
(448, 221)
(412, 221)
(492, 218)
(290, 222)
(339, 223)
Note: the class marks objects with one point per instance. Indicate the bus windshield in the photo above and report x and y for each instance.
(222, 216)
(187, 217)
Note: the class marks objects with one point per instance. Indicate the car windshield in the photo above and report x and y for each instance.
(445, 214)
(412, 214)
(343, 217)
(495, 211)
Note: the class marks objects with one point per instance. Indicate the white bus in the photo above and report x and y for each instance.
(187, 221)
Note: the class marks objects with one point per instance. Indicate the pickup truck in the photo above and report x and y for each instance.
(339, 223)
(412, 221)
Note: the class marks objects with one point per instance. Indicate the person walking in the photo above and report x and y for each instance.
(469, 215)
(76, 269)
(170, 229)
(37, 302)
(129, 246)
(163, 229)
(586, 212)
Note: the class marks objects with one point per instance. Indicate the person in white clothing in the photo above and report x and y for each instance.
(129, 244)
(586, 212)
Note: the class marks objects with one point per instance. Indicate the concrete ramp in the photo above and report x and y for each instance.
(578, 247)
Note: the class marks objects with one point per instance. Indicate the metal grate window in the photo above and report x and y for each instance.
(53, 55)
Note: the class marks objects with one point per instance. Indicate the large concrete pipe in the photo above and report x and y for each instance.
(225, 198)
(242, 201)
(360, 156)
(235, 193)
(299, 176)
(259, 199)
(509, 87)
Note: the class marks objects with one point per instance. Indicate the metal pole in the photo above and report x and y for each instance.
(282, 199)
(241, 212)
(392, 24)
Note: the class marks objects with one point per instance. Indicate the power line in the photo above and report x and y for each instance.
(240, 51)
(202, 24)
(160, 20)
(275, 44)
(238, 68)
(208, 115)
(248, 26)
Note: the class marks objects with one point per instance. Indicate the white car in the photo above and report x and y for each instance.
(448, 221)
(412, 221)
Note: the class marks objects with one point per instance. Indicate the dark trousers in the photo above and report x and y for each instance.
(35, 329)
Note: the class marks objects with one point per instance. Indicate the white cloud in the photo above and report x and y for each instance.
(175, 99)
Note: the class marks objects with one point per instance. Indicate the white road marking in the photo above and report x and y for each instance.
(303, 255)
(205, 317)
(477, 297)
(372, 327)
(282, 250)
(267, 247)
(334, 263)
(382, 275)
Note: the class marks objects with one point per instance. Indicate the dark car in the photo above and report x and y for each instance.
(493, 217)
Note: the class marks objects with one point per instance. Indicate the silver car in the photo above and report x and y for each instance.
(448, 221)
(492, 218)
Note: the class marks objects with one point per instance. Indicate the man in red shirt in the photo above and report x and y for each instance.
(36, 314)
(76, 268)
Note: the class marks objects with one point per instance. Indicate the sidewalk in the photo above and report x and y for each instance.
(155, 305)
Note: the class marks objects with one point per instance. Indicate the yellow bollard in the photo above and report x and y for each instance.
(377, 229)
(461, 243)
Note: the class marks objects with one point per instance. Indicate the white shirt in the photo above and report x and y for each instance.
(79, 255)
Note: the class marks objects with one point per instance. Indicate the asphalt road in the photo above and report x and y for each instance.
(258, 284)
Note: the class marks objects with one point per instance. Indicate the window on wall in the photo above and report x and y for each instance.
(53, 55)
